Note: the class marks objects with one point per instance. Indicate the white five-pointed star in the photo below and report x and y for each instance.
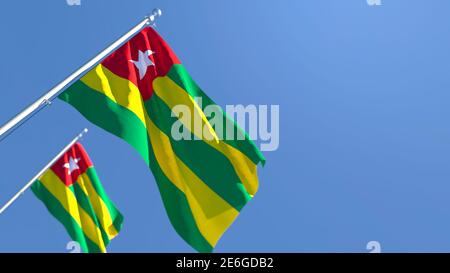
(143, 62)
(72, 165)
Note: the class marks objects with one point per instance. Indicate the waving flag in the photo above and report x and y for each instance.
(204, 183)
(73, 194)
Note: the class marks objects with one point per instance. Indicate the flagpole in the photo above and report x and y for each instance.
(55, 91)
(49, 164)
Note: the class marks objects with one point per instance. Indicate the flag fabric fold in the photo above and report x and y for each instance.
(74, 195)
(204, 183)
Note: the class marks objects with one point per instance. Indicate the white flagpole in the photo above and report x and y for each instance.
(49, 164)
(55, 91)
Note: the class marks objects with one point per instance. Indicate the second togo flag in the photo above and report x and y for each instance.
(204, 179)
(73, 194)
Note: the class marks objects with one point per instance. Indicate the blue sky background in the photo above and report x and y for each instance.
(364, 104)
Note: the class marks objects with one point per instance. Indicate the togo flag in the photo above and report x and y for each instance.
(73, 194)
(204, 180)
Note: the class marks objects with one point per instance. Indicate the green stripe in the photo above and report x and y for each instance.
(85, 204)
(108, 115)
(57, 210)
(210, 165)
(181, 77)
(119, 121)
(113, 211)
(178, 210)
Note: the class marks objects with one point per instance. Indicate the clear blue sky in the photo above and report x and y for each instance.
(364, 105)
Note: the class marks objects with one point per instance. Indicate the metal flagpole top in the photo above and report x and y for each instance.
(152, 16)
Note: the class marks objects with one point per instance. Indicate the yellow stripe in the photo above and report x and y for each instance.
(100, 208)
(212, 214)
(68, 200)
(126, 94)
(172, 94)
(123, 91)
